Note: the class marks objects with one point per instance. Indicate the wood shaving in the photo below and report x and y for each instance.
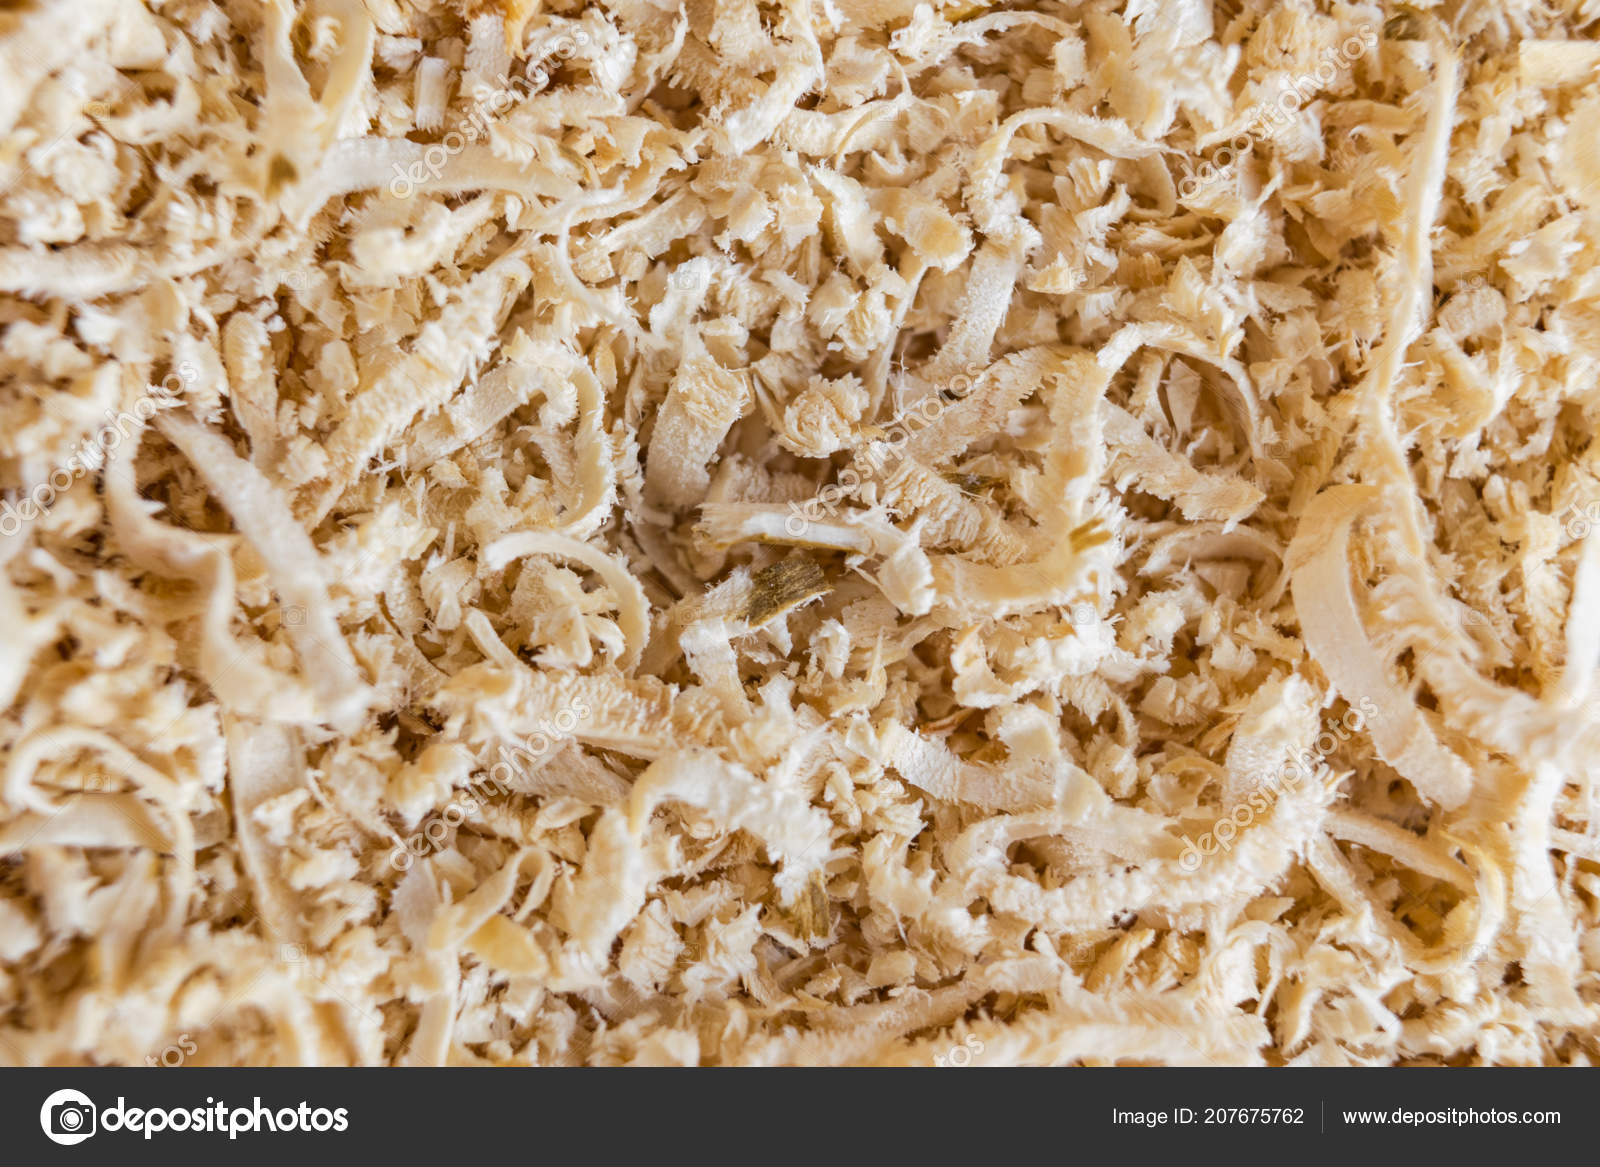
(799, 533)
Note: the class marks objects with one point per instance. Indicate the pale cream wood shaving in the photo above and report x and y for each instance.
(539, 533)
(292, 563)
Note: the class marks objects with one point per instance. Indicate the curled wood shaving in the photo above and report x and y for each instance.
(871, 532)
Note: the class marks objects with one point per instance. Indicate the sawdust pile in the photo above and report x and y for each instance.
(826, 531)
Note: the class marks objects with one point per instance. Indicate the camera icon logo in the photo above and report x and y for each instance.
(68, 1117)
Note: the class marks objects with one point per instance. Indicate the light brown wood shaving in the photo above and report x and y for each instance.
(809, 532)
